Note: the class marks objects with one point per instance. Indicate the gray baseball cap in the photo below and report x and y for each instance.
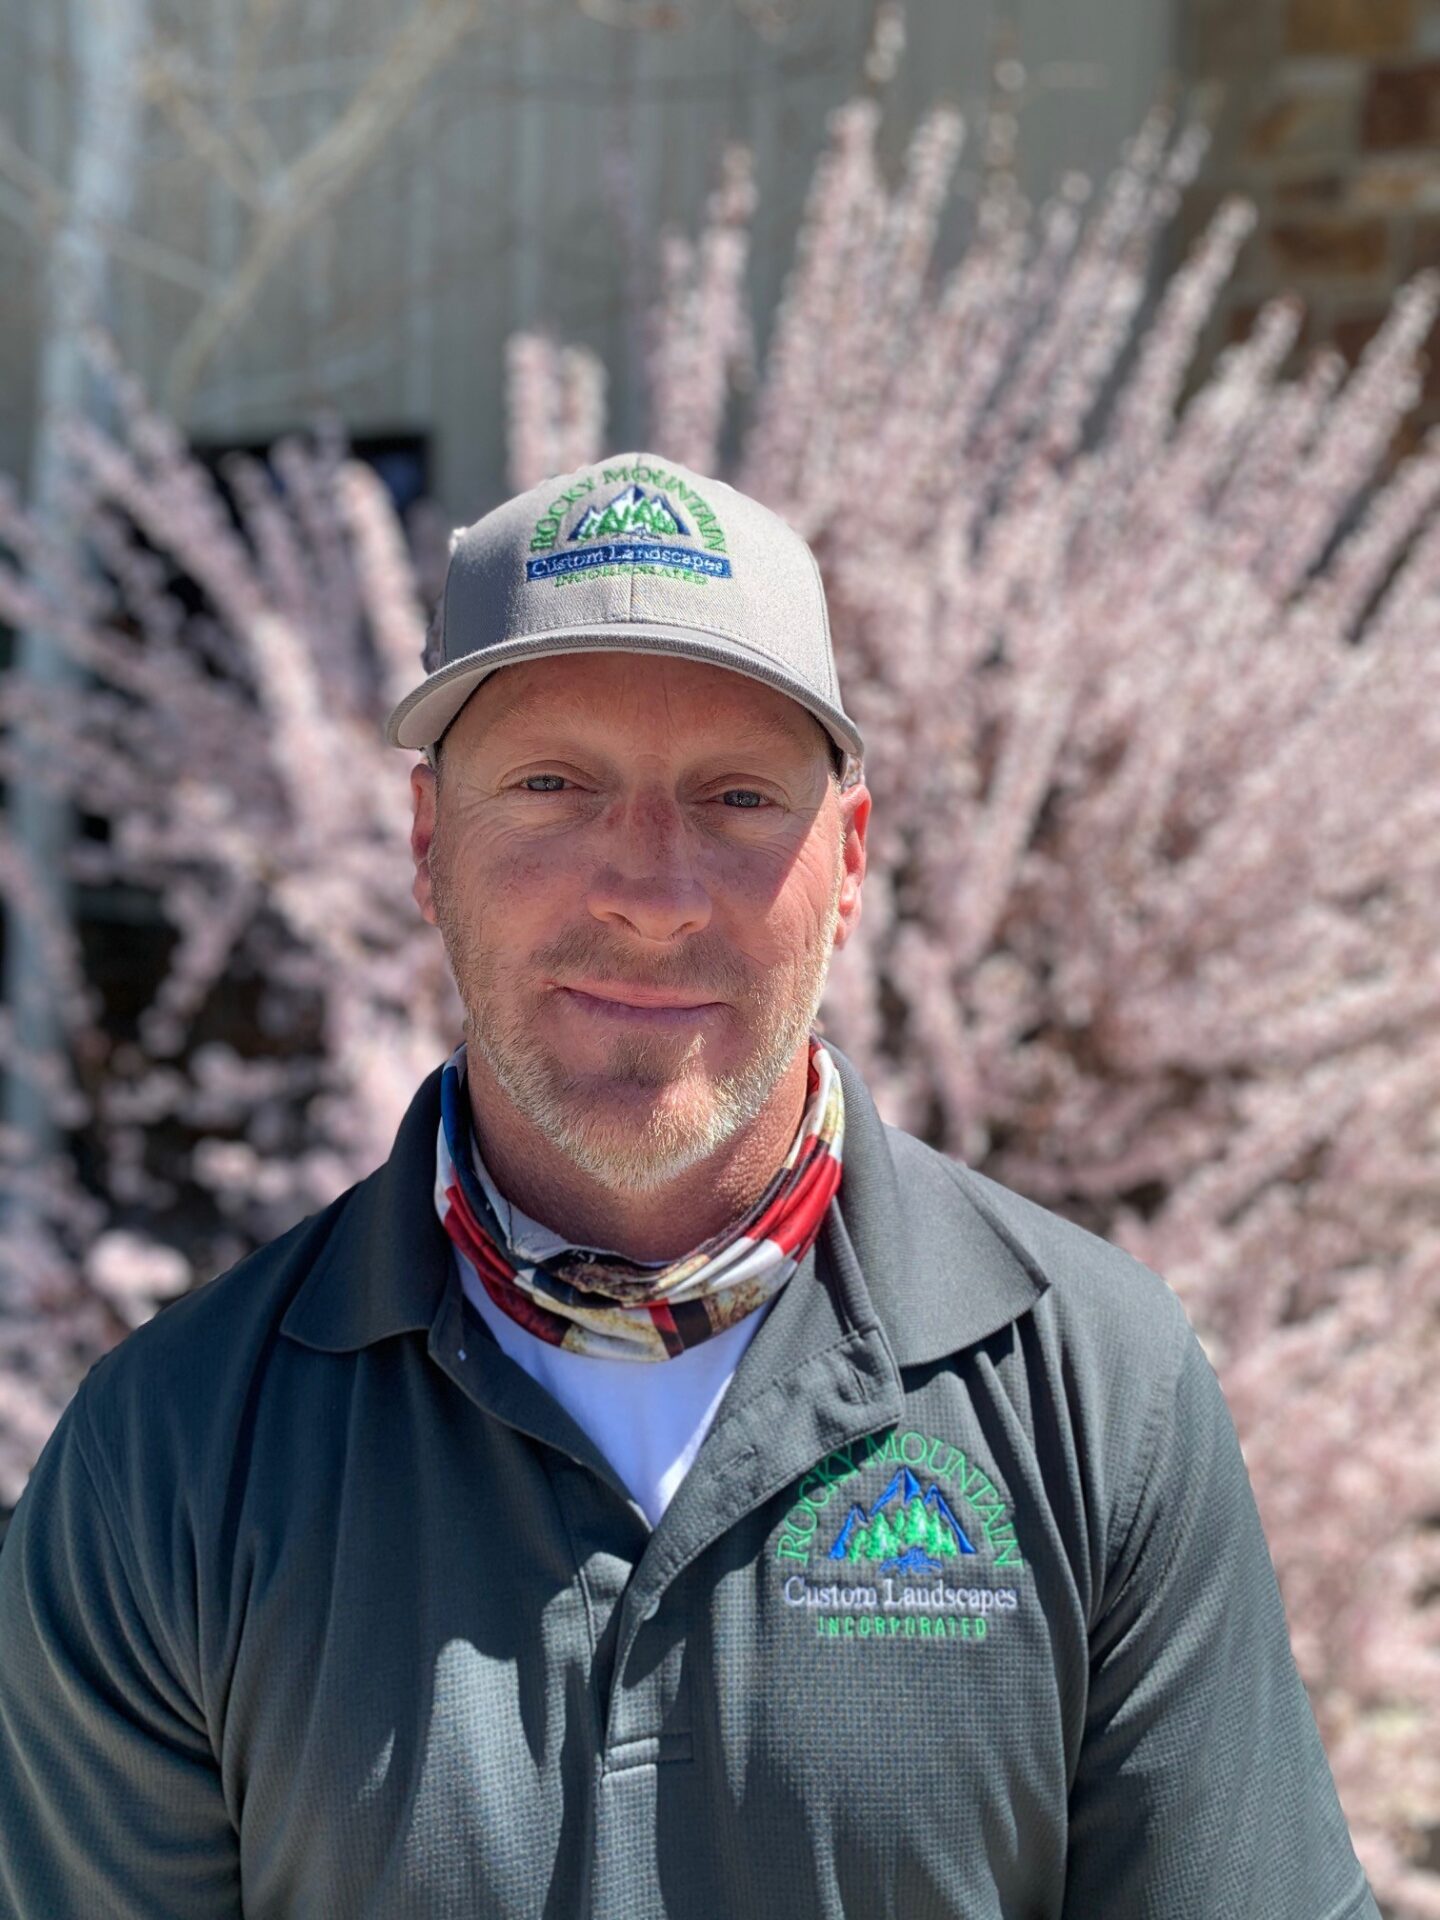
(631, 554)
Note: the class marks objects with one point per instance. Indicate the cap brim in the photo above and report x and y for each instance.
(424, 714)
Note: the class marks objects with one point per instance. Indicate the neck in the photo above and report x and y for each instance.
(664, 1224)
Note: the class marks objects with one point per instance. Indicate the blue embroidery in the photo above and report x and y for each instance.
(629, 553)
(631, 511)
(917, 1534)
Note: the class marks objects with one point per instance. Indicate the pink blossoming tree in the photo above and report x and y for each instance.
(1151, 687)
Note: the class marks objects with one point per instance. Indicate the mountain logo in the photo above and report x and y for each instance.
(909, 1529)
(631, 513)
(633, 518)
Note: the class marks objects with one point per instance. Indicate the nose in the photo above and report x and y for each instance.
(647, 881)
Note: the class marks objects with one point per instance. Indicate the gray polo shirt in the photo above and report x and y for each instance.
(316, 1607)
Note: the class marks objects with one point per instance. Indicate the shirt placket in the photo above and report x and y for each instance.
(818, 1375)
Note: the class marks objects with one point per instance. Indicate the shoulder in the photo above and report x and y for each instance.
(141, 1461)
(1095, 1295)
(368, 1263)
(189, 1369)
(1102, 1370)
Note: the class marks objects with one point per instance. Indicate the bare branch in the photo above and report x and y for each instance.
(44, 192)
(164, 84)
(40, 207)
(321, 175)
(641, 16)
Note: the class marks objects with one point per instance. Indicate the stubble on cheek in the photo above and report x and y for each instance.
(474, 969)
(628, 1147)
(500, 1011)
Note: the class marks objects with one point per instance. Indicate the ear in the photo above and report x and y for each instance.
(855, 813)
(422, 833)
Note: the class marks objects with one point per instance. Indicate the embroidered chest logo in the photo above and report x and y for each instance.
(635, 519)
(915, 1535)
(870, 1561)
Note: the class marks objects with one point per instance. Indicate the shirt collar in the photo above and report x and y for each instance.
(941, 1269)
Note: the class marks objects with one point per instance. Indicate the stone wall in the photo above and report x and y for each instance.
(1329, 121)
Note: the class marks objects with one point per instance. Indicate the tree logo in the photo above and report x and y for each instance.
(653, 522)
(909, 1529)
(632, 513)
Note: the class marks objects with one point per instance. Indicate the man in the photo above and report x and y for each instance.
(661, 1488)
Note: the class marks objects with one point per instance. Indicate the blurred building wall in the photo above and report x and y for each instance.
(527, 185)
(1331, 124)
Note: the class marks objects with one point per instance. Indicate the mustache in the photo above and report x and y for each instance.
(708, 970)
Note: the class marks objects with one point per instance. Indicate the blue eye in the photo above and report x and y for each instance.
(748, 798)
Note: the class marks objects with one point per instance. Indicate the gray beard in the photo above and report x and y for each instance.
(634, 1157)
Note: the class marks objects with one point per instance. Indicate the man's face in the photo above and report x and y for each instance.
(612, 829)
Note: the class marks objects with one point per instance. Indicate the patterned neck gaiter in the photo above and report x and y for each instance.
(599, 1303)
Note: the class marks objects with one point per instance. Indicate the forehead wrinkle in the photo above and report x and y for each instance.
(578, 704)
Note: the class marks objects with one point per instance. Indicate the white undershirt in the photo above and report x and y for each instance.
(647, 1417)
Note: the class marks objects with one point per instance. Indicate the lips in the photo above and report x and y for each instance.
(653, 1010)
(638, 996)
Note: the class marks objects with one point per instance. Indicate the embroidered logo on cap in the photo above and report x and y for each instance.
(872, 1575)
(634, 529)
(633, 511)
